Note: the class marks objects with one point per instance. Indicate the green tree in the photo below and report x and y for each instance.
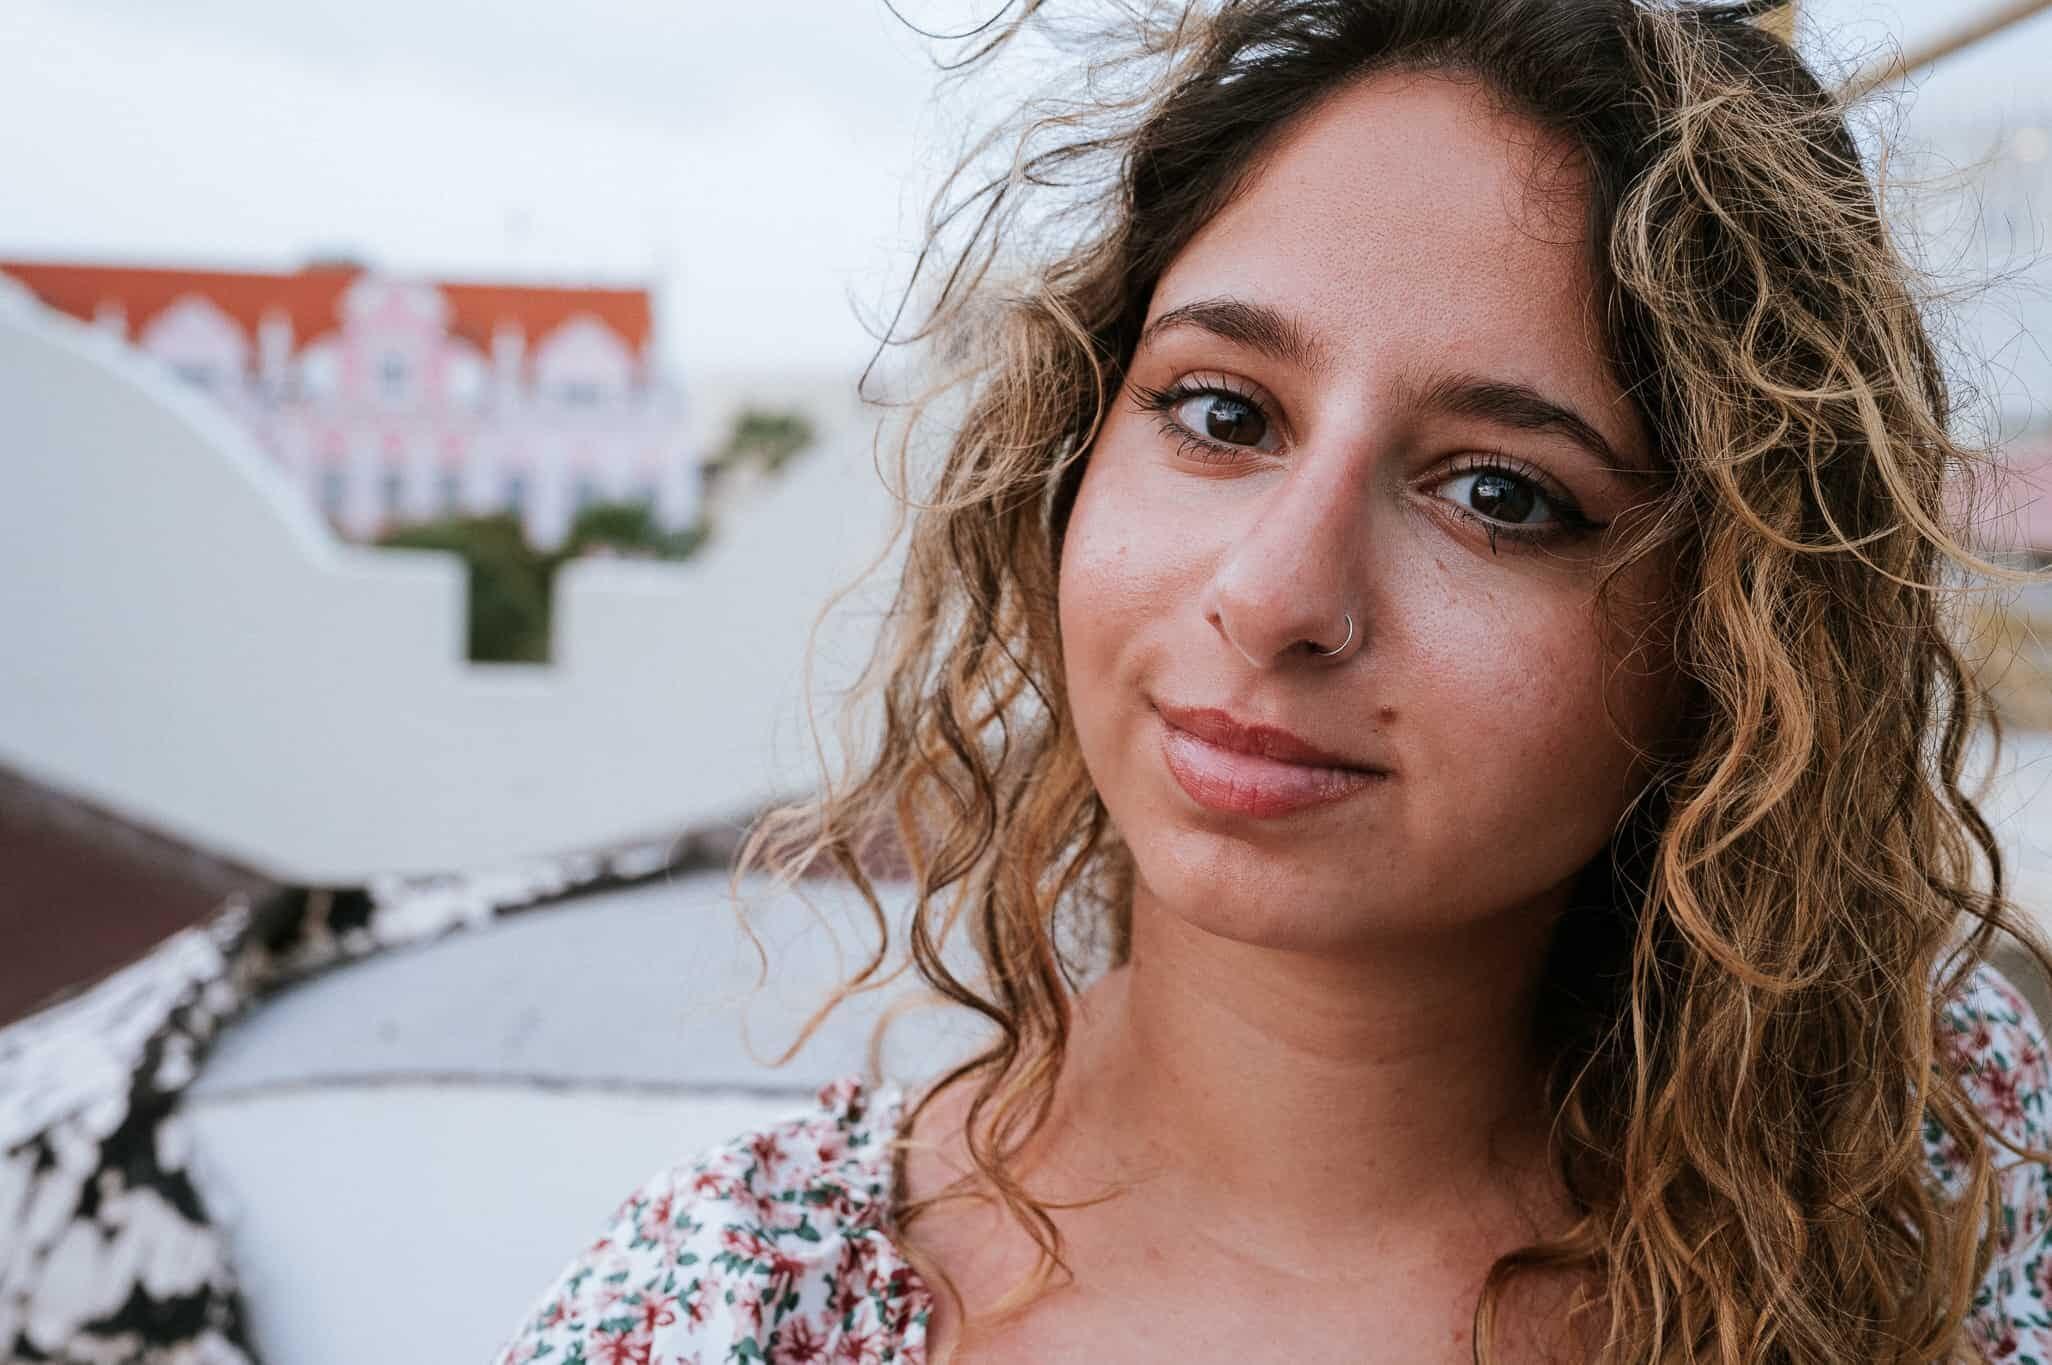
(630, 529)
(512, 583)
(764, 438)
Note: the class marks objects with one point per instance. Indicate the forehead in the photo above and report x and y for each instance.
(1408, 218)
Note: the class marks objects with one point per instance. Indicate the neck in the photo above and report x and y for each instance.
(1347, 1091)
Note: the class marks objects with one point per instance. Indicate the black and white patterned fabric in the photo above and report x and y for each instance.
(107, 1252)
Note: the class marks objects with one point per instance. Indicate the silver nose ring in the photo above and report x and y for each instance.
(1328, 653)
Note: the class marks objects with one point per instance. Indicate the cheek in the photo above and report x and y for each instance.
(1095, 596)
(1127, 576)
(1536, 721)
(1124, 571)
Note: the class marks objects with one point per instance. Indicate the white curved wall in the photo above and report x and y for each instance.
(439, 1128)
(187, 644)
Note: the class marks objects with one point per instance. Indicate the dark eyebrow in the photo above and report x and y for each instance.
(1254, 325)
(1277, 335)
(1522, 409)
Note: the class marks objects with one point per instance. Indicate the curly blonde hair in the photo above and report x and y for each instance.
(1744, 1012)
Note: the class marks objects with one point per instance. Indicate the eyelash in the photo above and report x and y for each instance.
(1572, 522)
(1163, 402)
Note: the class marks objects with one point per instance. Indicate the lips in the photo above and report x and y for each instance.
(1240, 768)
(1221, 728)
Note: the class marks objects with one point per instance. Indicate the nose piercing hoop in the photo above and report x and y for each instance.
(1328, 653)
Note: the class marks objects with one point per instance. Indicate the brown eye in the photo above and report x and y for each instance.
(1500, 496)
(1224, 418)
(1503, 497)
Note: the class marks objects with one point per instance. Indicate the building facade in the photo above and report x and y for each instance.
(393, 400)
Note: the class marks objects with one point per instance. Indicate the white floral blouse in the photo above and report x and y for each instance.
(776, 1246)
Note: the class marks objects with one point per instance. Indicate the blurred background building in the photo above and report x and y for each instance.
(391, 400)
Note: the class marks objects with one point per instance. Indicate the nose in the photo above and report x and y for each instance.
(1286, 587)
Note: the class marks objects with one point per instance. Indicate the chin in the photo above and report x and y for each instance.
(1260, 898)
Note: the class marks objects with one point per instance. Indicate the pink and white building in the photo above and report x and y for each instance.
(392, 399)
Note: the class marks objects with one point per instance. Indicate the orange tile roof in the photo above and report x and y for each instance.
(311, 297)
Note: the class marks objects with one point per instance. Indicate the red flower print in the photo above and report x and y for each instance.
(2005, 1102)
(858, 1348)
(798, 1344)
(658, 1310)
(768, 1151)
(743, 1242)
(844, 1093)
(729, 1224)
(620, 1348)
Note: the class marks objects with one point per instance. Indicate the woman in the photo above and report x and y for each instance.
(1423, 674)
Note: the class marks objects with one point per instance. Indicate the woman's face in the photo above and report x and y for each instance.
(1374, 387)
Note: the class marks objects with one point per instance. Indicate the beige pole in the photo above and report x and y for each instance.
(1905, 64)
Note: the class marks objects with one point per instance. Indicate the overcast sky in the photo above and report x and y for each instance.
(765, 156)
